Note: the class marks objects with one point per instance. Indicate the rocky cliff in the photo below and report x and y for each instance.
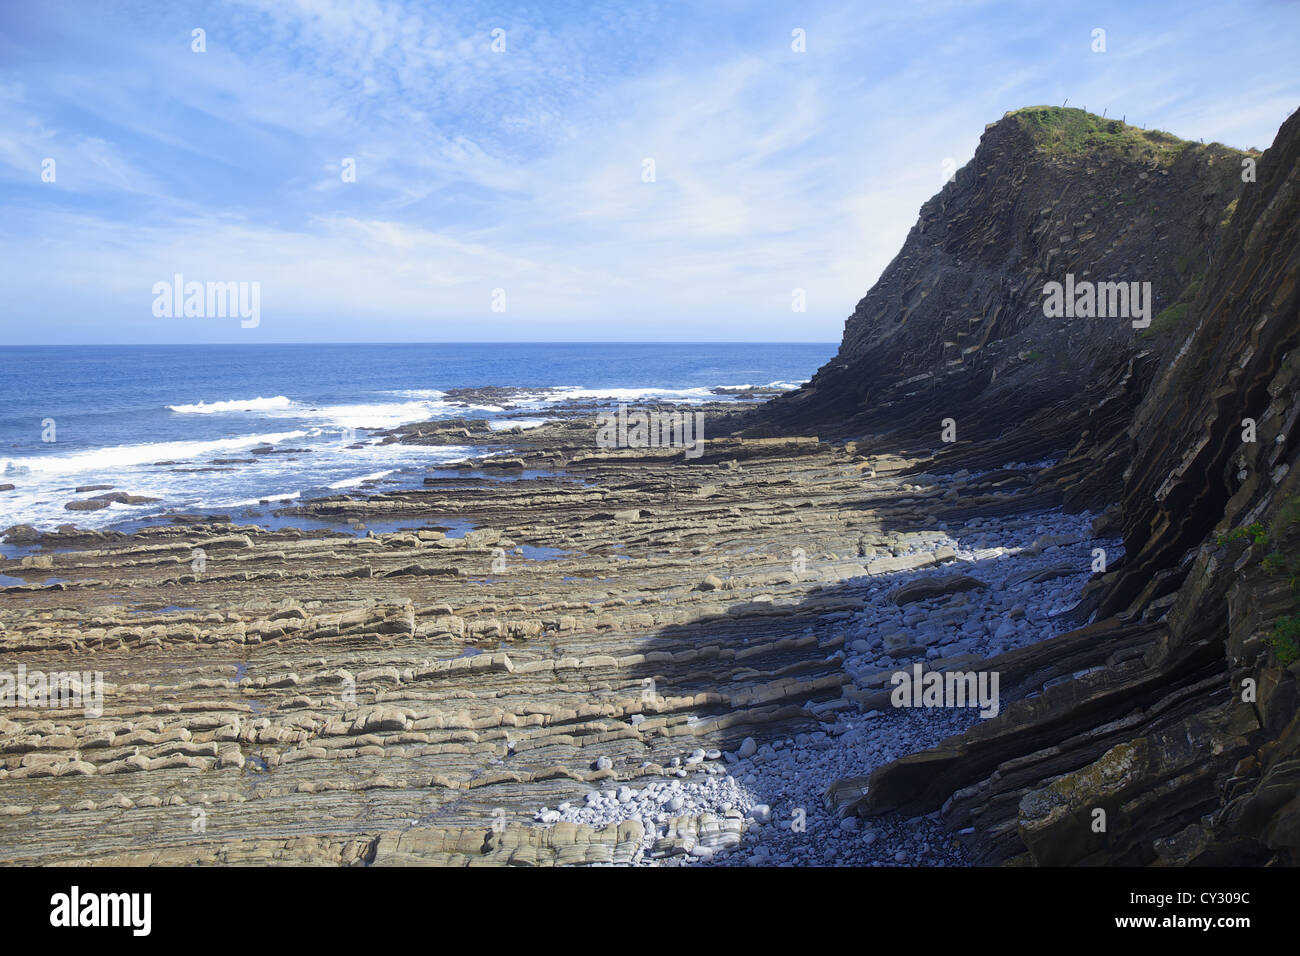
(955, 327)
(1168, 728)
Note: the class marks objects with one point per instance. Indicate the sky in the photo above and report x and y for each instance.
(390, 172)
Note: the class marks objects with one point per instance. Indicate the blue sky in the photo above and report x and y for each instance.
(522, 169)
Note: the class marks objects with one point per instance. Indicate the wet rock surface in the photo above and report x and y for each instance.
(418, 695)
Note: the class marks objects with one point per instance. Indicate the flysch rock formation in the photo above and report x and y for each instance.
(635, 657)
(413, 697)
(1176, 741)
(956, 321)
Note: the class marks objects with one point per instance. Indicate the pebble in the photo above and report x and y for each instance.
(778, 785)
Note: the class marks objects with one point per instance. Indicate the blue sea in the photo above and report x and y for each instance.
(177, 423)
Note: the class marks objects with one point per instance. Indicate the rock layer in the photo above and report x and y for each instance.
(1177, 725)
(291, 695)
(955, 326)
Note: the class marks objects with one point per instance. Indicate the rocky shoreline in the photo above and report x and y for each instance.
(684, 651)
(564, 653)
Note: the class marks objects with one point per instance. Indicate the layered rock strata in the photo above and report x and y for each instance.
(1178, 728)
(610, 619)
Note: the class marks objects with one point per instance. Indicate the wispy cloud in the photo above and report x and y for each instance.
(522, 168)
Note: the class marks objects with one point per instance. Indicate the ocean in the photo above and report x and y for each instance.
(179, 423)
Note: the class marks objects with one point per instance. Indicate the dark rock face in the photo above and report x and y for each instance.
(1237, 364)
(955, 325)
(1169, 729)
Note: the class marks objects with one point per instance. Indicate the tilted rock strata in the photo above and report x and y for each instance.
(955, 326)
(300, 695)
(1183, 727)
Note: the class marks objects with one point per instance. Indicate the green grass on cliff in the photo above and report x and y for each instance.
(1286, 640)
(1228, 213)
(1170, 320)
(1069, 131)
(1282, 536)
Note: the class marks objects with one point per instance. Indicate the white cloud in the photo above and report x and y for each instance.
(522, 170)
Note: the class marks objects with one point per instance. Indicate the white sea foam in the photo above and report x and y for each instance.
(573, 392)
(285, 496)
(329, 430)
(388, 415)
(425, 393)
(362, 479)
(498, 425)
(645, 393)
(425, 405)
(122, 456)
(784, 386)
(258, 404)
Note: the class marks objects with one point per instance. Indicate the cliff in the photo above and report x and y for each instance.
(1166, 729)
(955, 326)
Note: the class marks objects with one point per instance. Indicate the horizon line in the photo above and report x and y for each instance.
(74, 345)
